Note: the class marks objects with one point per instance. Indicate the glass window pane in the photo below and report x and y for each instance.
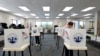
(38, 24)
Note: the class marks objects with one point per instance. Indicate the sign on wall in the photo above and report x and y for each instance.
(75, 37)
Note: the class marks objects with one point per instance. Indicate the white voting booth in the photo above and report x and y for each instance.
(60, 31)
(75, 39)
(16, 39)
(41, 29)
(56, 29)
(35, 31)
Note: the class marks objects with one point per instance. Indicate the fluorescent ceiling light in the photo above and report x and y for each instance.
(87, 17)
(61, 14)
(67, 8)
(4, 9)
(18, 14)
(57, 17)
(87, 14)
(47, 17)
(74, 14)
(33, 14)
(46, 8)
(47, 14)
(36, 17)
(24, 8)
(88, 9)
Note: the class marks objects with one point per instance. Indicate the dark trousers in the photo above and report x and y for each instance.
(68, 52)
(37, 39)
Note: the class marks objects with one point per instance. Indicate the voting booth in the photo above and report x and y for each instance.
(16, 39)
(56, 29)
(35, 31)
(60, 31)
(75, 39)
(41, 29)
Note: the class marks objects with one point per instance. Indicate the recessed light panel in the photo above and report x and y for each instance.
(24, 8)
(67, 8)
(46, 8)
(88, 9)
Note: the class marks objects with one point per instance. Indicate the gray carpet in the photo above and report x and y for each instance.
(49, 48)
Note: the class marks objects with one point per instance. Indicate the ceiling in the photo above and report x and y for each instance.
(56, 7)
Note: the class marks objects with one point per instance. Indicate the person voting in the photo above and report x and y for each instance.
(68, 26)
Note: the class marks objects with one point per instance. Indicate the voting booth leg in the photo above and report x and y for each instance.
(86, 52)
(66, 52)
(57, 42)
(77, 52)
(30, 51)
(3, 53)
(9, 53)
(40, 43)
(22, 52)
(71, 52)
(63, 51)
(14, 53)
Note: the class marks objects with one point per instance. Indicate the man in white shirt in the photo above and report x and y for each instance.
(68, 26)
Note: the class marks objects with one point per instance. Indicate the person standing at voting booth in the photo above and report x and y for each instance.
(68, 26)
(37, 39)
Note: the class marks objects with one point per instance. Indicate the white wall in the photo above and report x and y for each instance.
(6, 18)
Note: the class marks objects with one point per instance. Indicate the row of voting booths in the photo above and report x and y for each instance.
(74, 39)
(19, 39)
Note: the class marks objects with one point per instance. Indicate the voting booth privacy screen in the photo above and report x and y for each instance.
(16, 38)
(35, 31)
(60, 30)
(41, 29)
(75, 37)
(56, 29)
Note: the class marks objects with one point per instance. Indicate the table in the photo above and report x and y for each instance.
(16, 49)
(68, 49)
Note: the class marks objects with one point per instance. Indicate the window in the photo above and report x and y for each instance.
(81, 24)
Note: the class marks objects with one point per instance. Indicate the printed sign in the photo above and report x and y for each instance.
(16, 38)
(75, 37)
(78, 37)
(35, 31)
(12, 38)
